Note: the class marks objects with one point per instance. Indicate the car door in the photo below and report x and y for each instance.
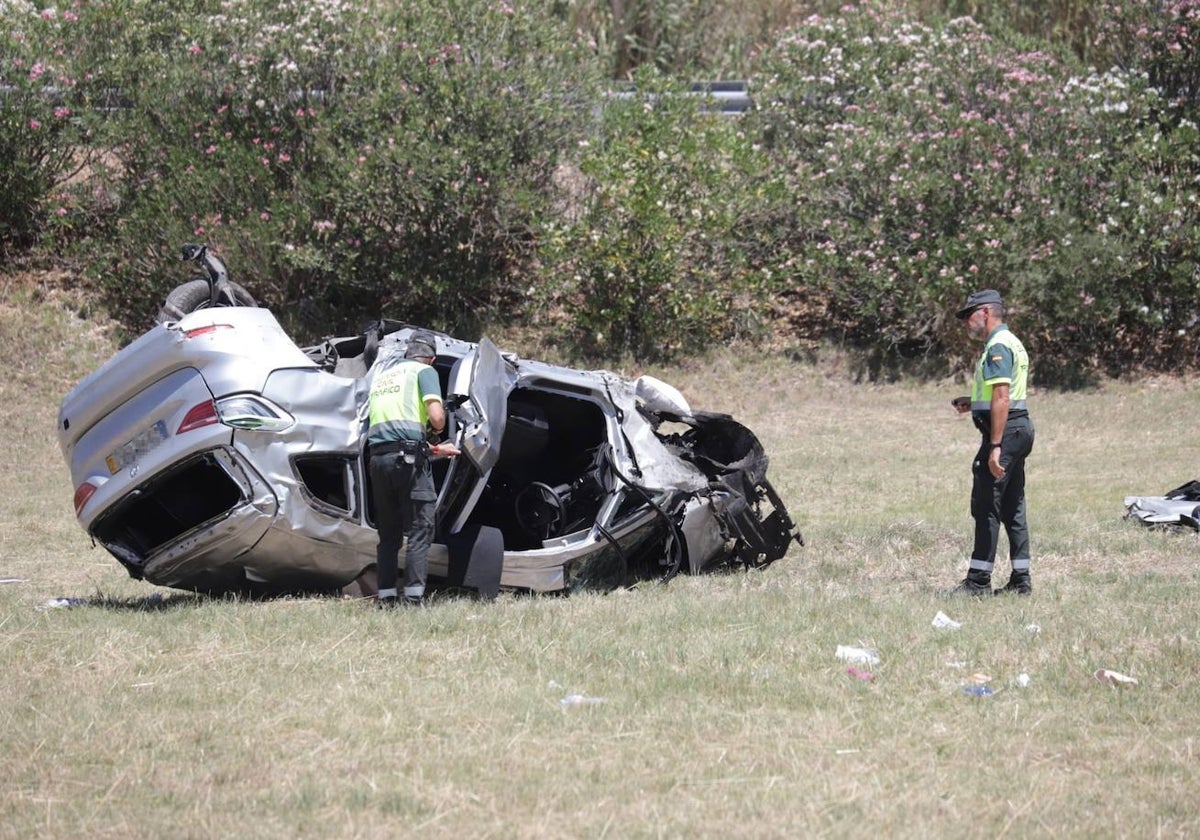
(479, 386)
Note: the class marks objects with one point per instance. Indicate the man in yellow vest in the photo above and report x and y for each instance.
(405, 405)
(999, 410)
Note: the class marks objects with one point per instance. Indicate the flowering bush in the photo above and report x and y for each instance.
(653, 257)
(45, 118)
(345, 160)
(925, 162)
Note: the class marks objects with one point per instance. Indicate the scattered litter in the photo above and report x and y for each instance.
(945, 622)
(1033, 629)
(978, 690)
(980, 679)
(859, 673)
(857, 655)
(1113, 678)
(846, 752)
(14, 580)
(1023, 680)
(62, 603)
(956, 664)
(574, 701)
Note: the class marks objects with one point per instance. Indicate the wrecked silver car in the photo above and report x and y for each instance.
(214, 454)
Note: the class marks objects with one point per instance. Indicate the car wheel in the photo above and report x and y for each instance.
(194, 295)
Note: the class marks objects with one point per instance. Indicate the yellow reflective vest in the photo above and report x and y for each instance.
(997, 367)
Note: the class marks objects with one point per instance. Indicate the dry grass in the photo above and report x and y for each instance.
(147, 712)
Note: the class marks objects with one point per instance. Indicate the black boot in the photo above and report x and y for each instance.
(977, 583)
(1018, 584)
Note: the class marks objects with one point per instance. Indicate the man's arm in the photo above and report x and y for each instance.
(999, 412)
(437, 415)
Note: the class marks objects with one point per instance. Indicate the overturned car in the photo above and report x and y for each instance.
(214, 454)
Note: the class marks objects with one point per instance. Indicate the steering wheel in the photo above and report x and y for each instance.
(540, 510)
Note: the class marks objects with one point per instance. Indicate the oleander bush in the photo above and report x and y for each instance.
(654, 256)
(50, 106)
(923, 162)
(345, 160)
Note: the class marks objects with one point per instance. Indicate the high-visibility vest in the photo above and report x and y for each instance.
(397, 408)
(981, 391)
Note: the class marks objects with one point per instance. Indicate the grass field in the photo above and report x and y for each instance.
(724, 710)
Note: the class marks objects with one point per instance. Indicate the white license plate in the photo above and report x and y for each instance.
(128, 453)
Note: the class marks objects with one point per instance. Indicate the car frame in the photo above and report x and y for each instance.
(214, 454)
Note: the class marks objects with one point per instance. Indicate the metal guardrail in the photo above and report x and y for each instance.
(725, 97)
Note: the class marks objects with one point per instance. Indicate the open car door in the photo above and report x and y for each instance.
(479, 385)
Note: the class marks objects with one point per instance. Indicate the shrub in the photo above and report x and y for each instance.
(346, 161)
(926, 162)
(653, 258)
(46, 115)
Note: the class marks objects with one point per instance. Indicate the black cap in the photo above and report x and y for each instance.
(978, 299)
(421, 345)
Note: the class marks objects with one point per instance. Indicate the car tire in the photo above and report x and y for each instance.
(194, 295)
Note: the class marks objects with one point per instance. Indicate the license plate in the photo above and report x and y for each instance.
(141, 443)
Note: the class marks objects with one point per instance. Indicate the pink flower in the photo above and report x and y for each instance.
(210, 150)
(61, 211)
(35, 125)
(195, 49)
(266, 217)
(62, 113)
(284, 157)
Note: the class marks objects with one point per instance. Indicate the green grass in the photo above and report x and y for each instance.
(148, 713)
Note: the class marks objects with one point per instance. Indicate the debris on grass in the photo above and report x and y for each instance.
(977, 690)
(944, 622)
(63, 603)
(1115, 679)
(860, 674)
(857, 655)
(575, 701)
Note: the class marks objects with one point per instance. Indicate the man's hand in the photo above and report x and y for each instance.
(961, 404)
(445, 449)
(994, 467)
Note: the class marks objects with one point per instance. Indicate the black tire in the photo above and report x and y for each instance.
(194, 295)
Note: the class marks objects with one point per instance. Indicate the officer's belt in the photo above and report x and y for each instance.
(392, 447)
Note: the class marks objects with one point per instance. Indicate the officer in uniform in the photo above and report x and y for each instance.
(404, 406)
(998, 409)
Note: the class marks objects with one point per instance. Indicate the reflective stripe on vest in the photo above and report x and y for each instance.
(981, 392)
(397, 410)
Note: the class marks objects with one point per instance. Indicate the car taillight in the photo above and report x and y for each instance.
(247, 411)
(202, 414)
(211, 328)
(82, 493)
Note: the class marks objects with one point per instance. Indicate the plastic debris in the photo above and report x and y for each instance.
(857, 655)
(980, 679)
(62, 603)
(575, 701)
(1023, 680)
(944, 622)
(1033, 629)
(978, 690)
(1114, 679)
(957, 664)
(860, 674)
(14, 580)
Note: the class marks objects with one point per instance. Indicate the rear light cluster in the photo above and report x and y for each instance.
(208, 330)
